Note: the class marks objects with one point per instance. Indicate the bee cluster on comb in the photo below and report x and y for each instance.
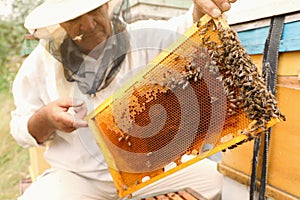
(205, 89)
(244, 86)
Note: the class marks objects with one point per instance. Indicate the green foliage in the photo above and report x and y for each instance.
(12, 34)
(14, 160)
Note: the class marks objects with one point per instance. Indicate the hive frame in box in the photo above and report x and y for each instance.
(128, 182)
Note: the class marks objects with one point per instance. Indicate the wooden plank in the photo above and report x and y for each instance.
(292, 82)
(244, 179)
(142, 10)
(167, 3)
(174, 196)
(243, 11)
(186, 195)
(195, 194)
(284, 168)
(263, 22)
(254, 39)
(37, 162)
(290, 37)
(288, 64)
(162, 197)
(284, 159)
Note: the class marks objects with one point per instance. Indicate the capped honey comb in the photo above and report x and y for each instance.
(203, 90)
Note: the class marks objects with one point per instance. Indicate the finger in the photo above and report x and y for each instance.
(70, 102)
(71, 123)
(78, 123)
(80, 111)
(223, 5)
(67, 121)
(69, 129)
(79, 108)
(77, 102)
(208, 7)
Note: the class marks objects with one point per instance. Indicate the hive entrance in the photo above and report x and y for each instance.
(205, 90)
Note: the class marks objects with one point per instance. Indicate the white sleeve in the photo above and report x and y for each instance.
(150, 37)
(26, 91)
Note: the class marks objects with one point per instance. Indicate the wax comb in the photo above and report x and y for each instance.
(204, 90)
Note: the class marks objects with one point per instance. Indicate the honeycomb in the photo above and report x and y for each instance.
(203, 90)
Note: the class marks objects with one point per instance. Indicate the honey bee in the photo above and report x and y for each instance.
(213, 99)
(125, 187)
(176, 58)
(232, 105)
(149, 153)
(195, 152)
(148, 164)
(120, 139)
(203, 31)
(185, 85)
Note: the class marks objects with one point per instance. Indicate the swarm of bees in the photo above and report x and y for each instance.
(213, 64)
(243, 85)
(226, 61)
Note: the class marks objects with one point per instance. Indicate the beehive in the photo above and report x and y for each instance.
(183, 194)
(204, 89)
(283, 173)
